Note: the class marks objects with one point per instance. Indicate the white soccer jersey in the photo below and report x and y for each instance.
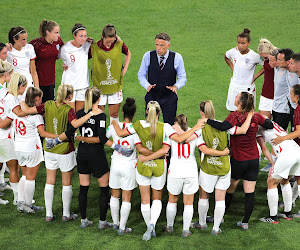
(77, 60)
(243, 66)
(20, 60)
(4, 85)
(7, 103)
(26, 134)
(292, 79)
(128, 141)
(281, 91)
(269, 134)
(183, 162)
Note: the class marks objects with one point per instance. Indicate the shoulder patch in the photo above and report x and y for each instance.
(102, 124)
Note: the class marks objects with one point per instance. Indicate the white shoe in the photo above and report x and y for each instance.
(4, 186)
(3, 202)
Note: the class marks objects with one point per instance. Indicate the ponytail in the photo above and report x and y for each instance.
(247, 102)
(153, 109)
(208, 109)
(182, 121)
(63, 92)
(92, 95)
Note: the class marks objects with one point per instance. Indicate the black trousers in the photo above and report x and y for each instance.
(168, 105)
(48, 92)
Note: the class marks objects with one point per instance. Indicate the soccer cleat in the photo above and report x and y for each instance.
(186, 233)
(153, 234)
(148, 234)
(85, 223)
(210, 219)
(4, 186)
(215, 233)
(168, 229)
(286, 215)
(297, 215)
(197, 225)
(71, 217)
(244, 226)
(22, 207)
(104, 225)
(50, 218)
(270, 219)
(115, 227)
(127, 230)
(266, 168)
(37, 208)
(3, 202)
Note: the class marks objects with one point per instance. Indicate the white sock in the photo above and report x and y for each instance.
(29, 191)
(115, 209)
(2, 171)
(21, 187)
(14, 187)
(155, 211)
(287, 197)
(272, 195)
(188, 213)
(48, 194)
(298, 190)
(125, 210)
(218, 214)
(67, 199)
(146, 212)
(203, 206)
(113, 119)
(171, 211)
(295, 192)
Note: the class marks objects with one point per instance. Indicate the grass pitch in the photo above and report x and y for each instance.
(201, 31)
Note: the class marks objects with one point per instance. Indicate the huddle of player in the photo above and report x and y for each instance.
(152, 139)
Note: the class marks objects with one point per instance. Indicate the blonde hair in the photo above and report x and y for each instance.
(208, 109)
(153, 109)
(16, 80)
(5, 67)
(182, 121)
(31, 94)
(46, 26)
(63, 92)
(265, 46)
(92, 95)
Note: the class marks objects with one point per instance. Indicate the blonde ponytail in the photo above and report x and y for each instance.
(92, 95)
(63, 92)
(153, 109)
(16, 80)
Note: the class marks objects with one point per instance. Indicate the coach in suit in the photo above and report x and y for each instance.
(162, 73)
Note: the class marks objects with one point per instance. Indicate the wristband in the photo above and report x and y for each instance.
(91, 113)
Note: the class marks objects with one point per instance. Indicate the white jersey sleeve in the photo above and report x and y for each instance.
(230, 53)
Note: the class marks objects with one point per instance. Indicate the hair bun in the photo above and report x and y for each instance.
(130, 101)
(247, 31)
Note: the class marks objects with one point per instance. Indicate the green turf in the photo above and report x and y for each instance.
(201, 31)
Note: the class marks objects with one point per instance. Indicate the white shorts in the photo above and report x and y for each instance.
(234, 90)
(265, 104)
(122, 177)
(7, 150)
(64, 162)
(114, 98)
(185, 185)
(79, 95)
(210, 182)
(287, 164)
(156, 183)
(30, 159)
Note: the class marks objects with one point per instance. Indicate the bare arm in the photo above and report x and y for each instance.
(28, 110)
(229, 62)
(78, 122)
(143, 150)
(258, 74)
(45, 134)
(159, 153)
(34, 74)
(120, 132)
(186, 135)
(213, 152)
(126, 62)
(290, 136)
(5, 123)
(265, 150)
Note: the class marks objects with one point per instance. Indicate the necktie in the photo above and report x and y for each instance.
(161, 63)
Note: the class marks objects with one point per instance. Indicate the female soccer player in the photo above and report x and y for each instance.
(108, 72)
(3, 52)
(22, 55)
(244, 156)
(75, 56)
(91, 157)
(9, 102)
(28, 149)
(46, 49)
(155, 136)
(242, 61)
(58, 116)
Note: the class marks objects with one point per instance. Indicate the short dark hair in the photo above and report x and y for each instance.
(163, 36)
(288, 53)
(296, 57)
(2, 46)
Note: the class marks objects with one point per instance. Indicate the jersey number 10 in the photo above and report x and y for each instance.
(184, 150)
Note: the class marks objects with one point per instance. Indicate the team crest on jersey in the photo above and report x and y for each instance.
(215, 143)
(149, 145)
(27, 54)
(247, 60)
(57, 46)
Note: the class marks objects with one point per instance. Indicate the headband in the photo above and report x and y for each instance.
(21, 31)
(80, 28)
